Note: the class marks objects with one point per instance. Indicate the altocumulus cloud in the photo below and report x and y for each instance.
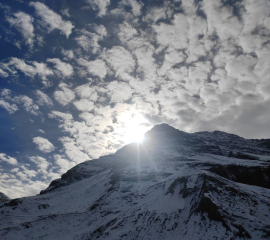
(52, 20)
(8, 159)
(43, 144)
(24, 24)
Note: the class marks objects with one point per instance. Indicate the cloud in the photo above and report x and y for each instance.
(31, 70)
(126, 32)
(89, 41)
(175, 34)
(154, 14)
(84, 105)
(65, 12)
(78, 147)
(11, 108)
(64, 164)
(3, 74)
(135, 6)
(65, 95)
(74, 151)
(8, 159)
(62, 117)
(27, 103)
(87, 91)
(146, 62)
(43, 99)
(120, 60)
(16, 188)
(241, 68)
(95, 68)
(43, 144)
(100, 6)
(41, 163)
(52, 20)
(198, 75)
(172, 57)
(62, 69)
(68, 54)
(119, 91)
(24, 24)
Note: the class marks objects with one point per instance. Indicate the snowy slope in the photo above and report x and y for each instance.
(206, 185)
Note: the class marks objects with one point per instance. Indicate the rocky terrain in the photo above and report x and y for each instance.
(174, 185)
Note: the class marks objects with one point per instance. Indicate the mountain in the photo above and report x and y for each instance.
(3, 197)
(174, 185)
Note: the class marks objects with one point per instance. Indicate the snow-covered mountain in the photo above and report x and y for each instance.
(3, 197)
(175, 185)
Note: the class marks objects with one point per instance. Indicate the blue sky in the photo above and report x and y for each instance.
(80, 79)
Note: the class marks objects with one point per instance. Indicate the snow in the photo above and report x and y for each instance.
(168, 188)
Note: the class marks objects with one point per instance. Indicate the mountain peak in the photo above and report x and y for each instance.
(3, 197)
(163, 127)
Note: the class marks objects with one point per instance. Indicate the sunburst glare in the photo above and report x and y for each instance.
(135, 126)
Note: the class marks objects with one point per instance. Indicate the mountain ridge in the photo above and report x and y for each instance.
(174, 185)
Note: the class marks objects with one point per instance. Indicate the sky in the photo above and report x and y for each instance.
(81, 79)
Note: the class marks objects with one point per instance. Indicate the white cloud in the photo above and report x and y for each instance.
(3, 74)
(8, 159)
(96, 67)
(42, 163)
(87, 91)
(84, 105)
(99, 29)
(119, 91)
(15, 188)
(100, 6)
(52, 20)
(40, 130)
(121, 60)
(68, 54)
(30, 70)
(62, 69)
(5, 93)
(134, 4)
(43, 99)
(65, 95)
(73, 150)
(11, 108)
(63, 163)
(27, 103)
(197, 76)
(220, 19)
(241, 68)
(89, 40)
(172, 57)
(62, 117)
(65, 12)
(155, 13)
(43, 144)
(176, 34)
(126, 32)
(24, 24)
(146, 62)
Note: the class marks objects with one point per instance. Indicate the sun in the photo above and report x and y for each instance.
(139, 138)
(134, 128)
